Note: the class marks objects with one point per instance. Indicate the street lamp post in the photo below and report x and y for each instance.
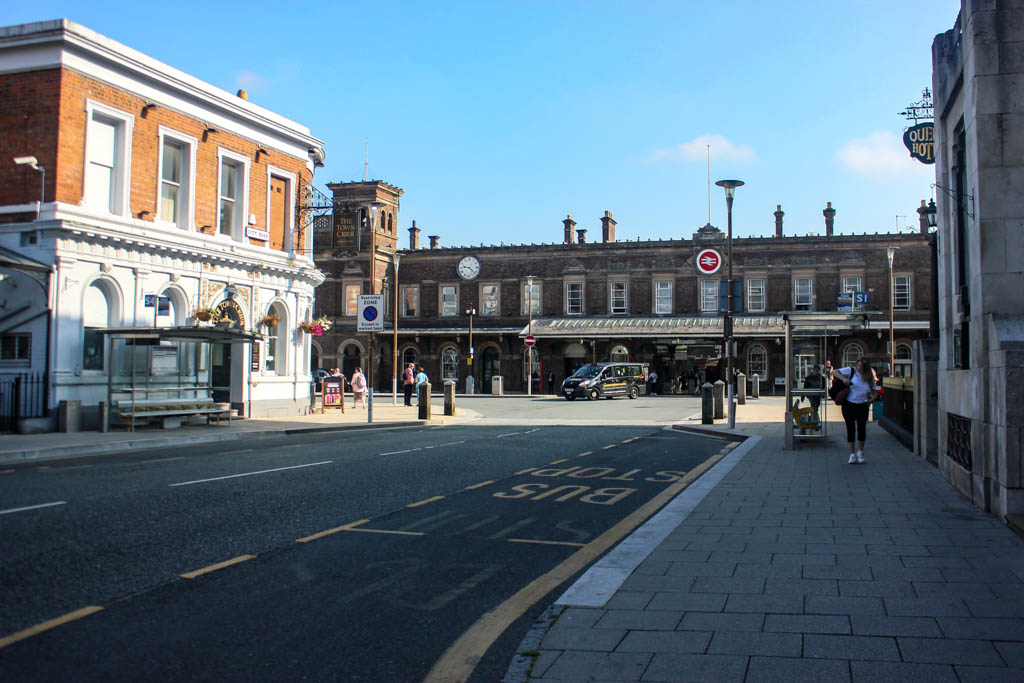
(373, 290)
(470, 312)
(730, 191)
(395, 257)
(890, 253)
(529, 349)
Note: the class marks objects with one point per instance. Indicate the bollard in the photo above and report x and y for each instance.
(719, 392)
(755, 387)
(103, 425)
(423, 399)
(470, 382)
(449, 398)
(369, 405)
(741, 389)
(707, 404)
(69, 416)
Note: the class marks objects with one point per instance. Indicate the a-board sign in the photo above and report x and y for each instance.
(333, 388)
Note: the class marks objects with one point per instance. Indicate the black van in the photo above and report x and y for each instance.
(606, 380)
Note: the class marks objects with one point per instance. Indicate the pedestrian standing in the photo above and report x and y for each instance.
(815, 381)
(863, 391)
(358, 388)
(421, 379)
(408, 383)
(551, 382)
(652, 380)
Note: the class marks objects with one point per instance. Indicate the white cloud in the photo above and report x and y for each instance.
(251, 81)
(697, 150)
(880, 156)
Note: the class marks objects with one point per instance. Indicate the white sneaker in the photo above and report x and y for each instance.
(860, 457)
(853, 459)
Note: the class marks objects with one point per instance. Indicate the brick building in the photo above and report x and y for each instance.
(608, 300)
(123, 180)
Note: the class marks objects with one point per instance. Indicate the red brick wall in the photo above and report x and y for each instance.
(28, 127)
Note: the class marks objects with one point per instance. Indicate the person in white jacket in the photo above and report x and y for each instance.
(863, 391)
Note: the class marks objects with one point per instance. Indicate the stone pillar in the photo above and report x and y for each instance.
(423, 399)
(449, 398)
(741, 389)
(719, 389)
(755, 387)
(830, 216)
(707, 404)
(779, 213)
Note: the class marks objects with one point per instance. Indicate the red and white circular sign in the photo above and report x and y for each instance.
(708, 261)
(529, 340)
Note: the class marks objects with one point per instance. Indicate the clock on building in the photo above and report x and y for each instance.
(468, 268)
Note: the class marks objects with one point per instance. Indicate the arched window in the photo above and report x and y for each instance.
(851, 354)
(174, 312)
(620, 354)
(275, 361)
(99, 309)
(450, 364)
(536, 365)
(391, 222)
(409, 356)
(903, 358)
(757, 361)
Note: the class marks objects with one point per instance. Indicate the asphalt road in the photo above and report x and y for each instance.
(357, 556)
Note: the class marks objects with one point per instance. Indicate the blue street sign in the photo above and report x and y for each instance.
(860, 299)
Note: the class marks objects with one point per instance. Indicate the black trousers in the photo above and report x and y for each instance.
(856, 417)
(407, 388)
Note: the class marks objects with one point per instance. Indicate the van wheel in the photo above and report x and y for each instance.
(633, 392)
(593, 395)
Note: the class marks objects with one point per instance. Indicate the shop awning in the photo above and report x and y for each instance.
(205, 333)
(710, 327)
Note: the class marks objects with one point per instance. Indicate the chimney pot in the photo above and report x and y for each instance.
(414, 237)
(433, 240)
(830, 215)
(244, 95)
(779, 213)
(569, 224)
(608, 227)
(582, 232)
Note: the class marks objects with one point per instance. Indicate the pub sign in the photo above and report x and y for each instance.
(920, 140)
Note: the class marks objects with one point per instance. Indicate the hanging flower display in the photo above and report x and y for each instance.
(204, 314)
(315, 327)
(270, 320)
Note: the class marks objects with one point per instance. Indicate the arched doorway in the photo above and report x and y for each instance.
(575, 358)
(351, 358)
(492, 367)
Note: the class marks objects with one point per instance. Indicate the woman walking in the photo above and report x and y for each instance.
(860, 380)
(358, 388)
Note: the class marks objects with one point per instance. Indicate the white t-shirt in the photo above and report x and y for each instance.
(860, 390)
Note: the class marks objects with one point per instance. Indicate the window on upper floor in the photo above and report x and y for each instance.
(709, 296)
(852, 283)
(755, 295)
(107, 155)
(530, 298)
(232, 196)
(574, 298)
(177, 155)
(901, 292)
(410, 301)
(617, 298)
(15, 346)
(663, 297)
(803, 294)
(490, 302)
(449, 301)
(352, 290)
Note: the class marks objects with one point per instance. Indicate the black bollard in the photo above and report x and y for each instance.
(707, 404)
(719, 391)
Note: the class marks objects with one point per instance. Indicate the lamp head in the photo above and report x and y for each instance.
(890, 252)
(26, 161)
(730, 187)
(396, 257)
(931, 214)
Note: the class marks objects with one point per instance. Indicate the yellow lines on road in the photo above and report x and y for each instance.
(458, 662)
(244, 450)
(476, 486)
(43, 467)
(219, 565)
(394, 532)
(585, 453)
(611, 445)
(321, 534)
(526, 471)
(530, 540)
(424, 502)
(729, 446)
(630, 440)
(47, 625)
(557, 462)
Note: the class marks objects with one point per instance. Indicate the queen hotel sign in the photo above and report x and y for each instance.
(920, 140)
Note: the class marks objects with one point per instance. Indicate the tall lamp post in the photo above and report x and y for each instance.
(470, 381)
(931, 218)
(529, 349)
(395, 257)
(373, 290)
(890, 253)
(730, 192)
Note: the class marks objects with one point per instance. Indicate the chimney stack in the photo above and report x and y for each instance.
(433, 240)
(582, 232)
(922, 218)
(414, 237)
(569, 224)
(779, 213)
(830, 216)
(607, 227)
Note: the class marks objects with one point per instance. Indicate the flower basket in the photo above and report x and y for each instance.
(270, 320)
(204, 314)
(315, 327)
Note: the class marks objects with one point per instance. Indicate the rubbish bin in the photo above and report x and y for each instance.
(69, 416)
(498, 385)
(877, 410)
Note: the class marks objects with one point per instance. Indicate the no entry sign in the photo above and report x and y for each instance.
(708, 261)
(529, 340)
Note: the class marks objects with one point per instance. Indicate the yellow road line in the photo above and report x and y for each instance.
(343, 527)
(530, 540)
(47, 625)
(476, 486)
(457, 663)
(556, 462)
(611, 445)
(215, 567)
(528, 469)
(584, 453)
(630, 440)
(424, 502)
(388, 531)
(43, 467)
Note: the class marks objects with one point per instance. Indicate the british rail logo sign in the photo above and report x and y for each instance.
(708, 261)
(920, 140)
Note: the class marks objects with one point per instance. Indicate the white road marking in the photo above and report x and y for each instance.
(532, 431)
(499, 436)
(32, 507)
(249, 474)
(407, 450)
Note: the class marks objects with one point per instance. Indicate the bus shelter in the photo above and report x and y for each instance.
(164, 374)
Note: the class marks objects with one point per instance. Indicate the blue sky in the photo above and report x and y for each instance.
(500, 118)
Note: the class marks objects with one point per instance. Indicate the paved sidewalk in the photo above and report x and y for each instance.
(797, 566)
(21, 447)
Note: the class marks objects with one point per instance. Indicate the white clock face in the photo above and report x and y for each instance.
(468, 268)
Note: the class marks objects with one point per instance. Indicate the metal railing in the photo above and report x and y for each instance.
(22, 396)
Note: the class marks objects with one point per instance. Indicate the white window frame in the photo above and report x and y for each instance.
(277, 337)
(897, 295)
(846, 359)
(708, 289)
(440, 301)
(623, 299)
(289, 207)
(753, 352)
(125, 122)
(447, 365)
(345, 285)
(580, 300)
(663, 301)
(401, 300)
(241, 202)
(480, 309)
(809, 304)
(188, 184)
(753, 298)
(849, 286)
(526, 301)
